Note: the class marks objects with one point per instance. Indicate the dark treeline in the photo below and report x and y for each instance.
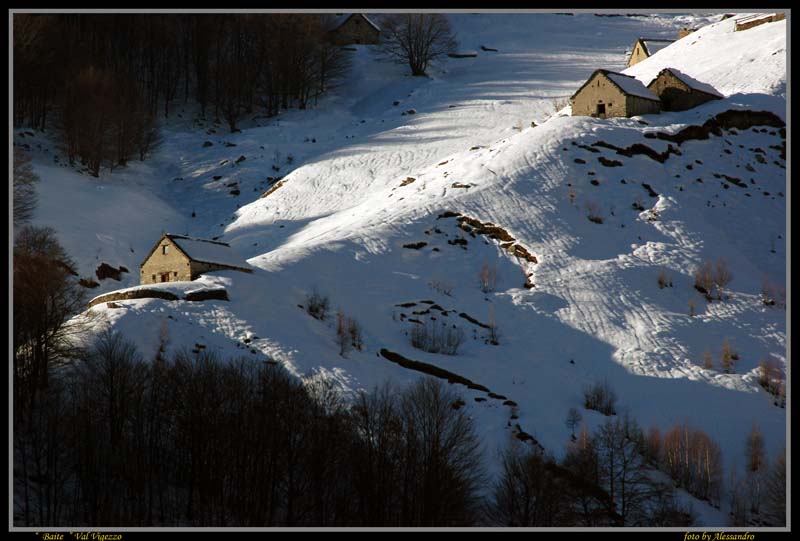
(188, 439)
(102, 80)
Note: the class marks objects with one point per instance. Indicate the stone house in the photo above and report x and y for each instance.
(679, 92)
(609, 94)
(646, 47)
(354, 28)
(685, 31)
(176, 258)
(750, 21)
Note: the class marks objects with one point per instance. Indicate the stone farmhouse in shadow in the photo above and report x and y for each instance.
(354, 28)
(679, 92)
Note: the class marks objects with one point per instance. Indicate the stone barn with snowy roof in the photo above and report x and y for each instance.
(646, 47)
(354, 28)
(609, 94)
(176, 258)
(679, 92)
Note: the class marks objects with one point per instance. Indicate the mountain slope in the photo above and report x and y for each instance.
(344, 211)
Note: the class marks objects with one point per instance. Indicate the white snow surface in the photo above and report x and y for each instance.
(759, 55)
(209, 251)
(340, 218)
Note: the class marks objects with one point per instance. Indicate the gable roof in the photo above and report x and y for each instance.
(628, 85)
(653, 45)
(341, 19)
(691, 82)
(204, 251)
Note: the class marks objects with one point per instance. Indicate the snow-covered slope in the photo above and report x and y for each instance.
(708, 54)
(367, 184)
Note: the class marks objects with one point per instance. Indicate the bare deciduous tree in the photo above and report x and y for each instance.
(694, 461)
(593, 212)
(708, 360)
(727, 357)
(527, 492)
(24, 188)
(775, 492)
(416, 39)
(573, 418)
(436, 337)
(754, 466)
(722, 276)
(487, 277)
(46, 296)
(493, 332)
(704, 278)
(600, 397)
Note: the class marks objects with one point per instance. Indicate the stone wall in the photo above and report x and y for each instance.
(199, 267)
(641, 106)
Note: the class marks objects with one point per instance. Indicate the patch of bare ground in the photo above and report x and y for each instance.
(609, 163)
(727, 120)
(277, 185)
(107, 271)
(639, 148)
(473, 320)
(431, 370)
(649, 189)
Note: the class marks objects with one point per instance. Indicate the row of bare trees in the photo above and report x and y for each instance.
(103, 79)
(183, 438)
(24, 187)
(603, 480)
(610, 478)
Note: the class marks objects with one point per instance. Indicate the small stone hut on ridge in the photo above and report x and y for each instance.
(176, 258)
(679, 92)
(646, 47)
(757, 19)
(610, 94)
(354, 28)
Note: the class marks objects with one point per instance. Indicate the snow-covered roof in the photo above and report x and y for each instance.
(631, 86)
(692, 82)
(209, 251)
(653, 45)
(340, 20)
